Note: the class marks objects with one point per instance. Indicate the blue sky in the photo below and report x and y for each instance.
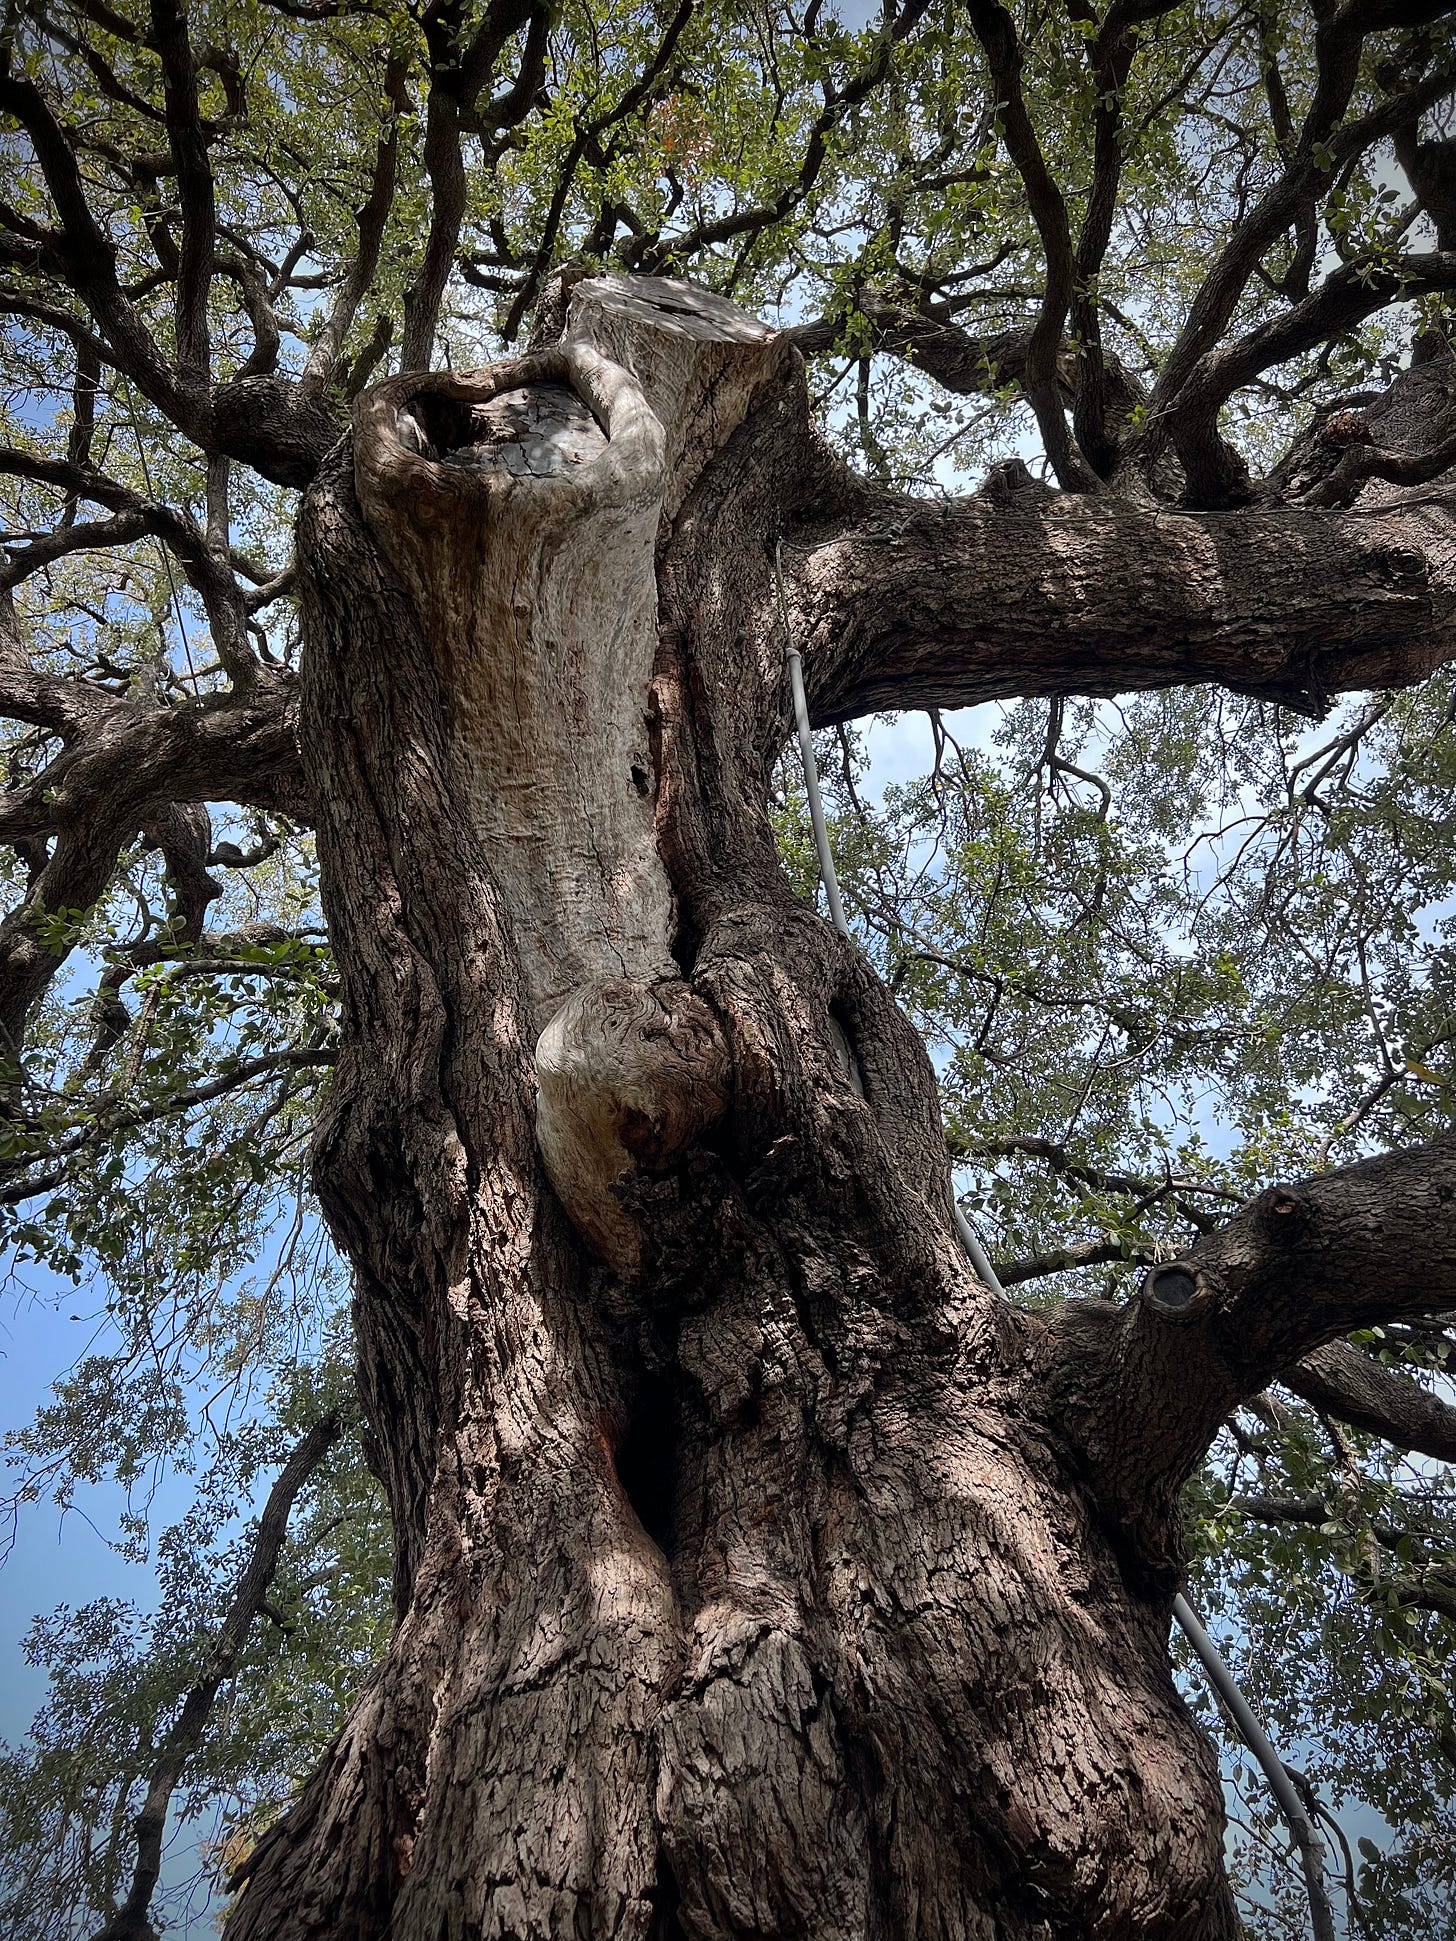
(54, 1559)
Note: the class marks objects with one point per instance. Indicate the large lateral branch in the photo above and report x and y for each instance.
(135, 756)
(1144, 1391)
(1034, 592)
(123, 766)
(1384, 1402)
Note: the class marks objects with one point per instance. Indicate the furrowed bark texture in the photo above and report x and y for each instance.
(749, 1582)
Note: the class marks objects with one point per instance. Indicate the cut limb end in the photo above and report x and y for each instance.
(629, 1075)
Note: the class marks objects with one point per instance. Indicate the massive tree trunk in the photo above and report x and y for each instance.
(758, 1573)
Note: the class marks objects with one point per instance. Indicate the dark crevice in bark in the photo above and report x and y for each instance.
(647, 1457)
(662, 1896)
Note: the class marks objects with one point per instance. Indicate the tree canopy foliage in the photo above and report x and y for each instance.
(1165, 949)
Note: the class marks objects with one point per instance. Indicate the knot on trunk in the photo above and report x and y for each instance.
(629, 1076)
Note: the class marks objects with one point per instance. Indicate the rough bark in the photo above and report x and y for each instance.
(758, 1573)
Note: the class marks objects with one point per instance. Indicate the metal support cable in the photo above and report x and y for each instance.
(806, 750)
(1311, 1847)
(1306, 1838)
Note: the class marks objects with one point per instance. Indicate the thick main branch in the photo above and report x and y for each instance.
(945, 605)
(1143, 1392)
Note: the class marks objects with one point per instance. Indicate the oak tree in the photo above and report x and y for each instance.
(428, 427)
